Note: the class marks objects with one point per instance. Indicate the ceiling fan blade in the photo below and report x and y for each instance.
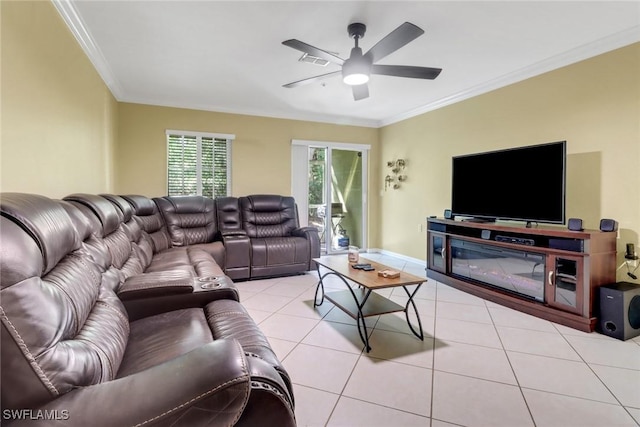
(394, 41)
(360, 91)
(406, 71)
(311, 79)
(311, 50)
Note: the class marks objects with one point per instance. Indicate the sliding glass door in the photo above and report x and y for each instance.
(332, 197)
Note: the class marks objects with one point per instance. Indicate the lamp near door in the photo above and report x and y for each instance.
(395, 177)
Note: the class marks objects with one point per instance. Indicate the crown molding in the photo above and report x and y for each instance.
(301, 116)
(75, 24)
(598, 47)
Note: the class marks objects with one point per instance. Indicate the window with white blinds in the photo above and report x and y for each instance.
(198, 164)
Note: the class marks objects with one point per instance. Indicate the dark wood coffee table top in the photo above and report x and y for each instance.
(369, 279)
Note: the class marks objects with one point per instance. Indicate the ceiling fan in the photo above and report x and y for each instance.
(358, 67)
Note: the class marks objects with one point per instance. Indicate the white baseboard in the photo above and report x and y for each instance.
(396, 255)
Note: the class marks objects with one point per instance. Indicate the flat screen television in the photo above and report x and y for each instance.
(519, 184)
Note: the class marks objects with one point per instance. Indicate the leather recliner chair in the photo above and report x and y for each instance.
(278, 245)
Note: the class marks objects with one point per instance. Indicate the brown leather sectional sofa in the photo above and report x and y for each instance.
(122, 310)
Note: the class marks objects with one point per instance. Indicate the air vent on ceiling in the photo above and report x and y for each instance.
(313, 60)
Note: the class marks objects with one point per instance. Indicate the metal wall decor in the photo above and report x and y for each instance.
(394, 179)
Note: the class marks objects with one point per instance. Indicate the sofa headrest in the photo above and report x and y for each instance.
(110, 217)
(142, 205)
(21, 257)
(83, 224)
(190, 204)
(122, 204)
(46, 221)
(267, 202)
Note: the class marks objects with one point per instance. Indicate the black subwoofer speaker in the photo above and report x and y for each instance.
(619, 315)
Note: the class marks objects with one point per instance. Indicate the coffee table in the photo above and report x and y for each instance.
(362, 302)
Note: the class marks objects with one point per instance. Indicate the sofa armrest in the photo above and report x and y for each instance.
(237, 247)
(301, 231)
(311, 234)
(209, 385)
(148, 285)
(201, 296)
(271, 403)
(233, 233)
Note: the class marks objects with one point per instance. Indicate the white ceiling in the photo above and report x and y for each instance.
(228, 55)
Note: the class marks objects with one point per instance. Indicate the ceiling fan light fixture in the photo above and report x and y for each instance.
(356, 69)
(356, 79)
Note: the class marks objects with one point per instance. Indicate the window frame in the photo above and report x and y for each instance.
(229, 138)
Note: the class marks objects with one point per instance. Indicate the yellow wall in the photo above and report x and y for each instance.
(261, 151)
(594, 105)
(58, 117)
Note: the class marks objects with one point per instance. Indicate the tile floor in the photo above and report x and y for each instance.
(480, 364)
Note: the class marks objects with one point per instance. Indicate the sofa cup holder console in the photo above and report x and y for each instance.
(211, 282)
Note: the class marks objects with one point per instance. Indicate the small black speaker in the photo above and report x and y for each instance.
(631, 252)
(608, 225)
(448, 214)
(619, 315)
(575, 224)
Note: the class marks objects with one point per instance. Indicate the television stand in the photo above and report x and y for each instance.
(548, 272)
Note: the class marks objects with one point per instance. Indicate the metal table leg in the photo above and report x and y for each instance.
(364, 336)
(406, 311)
(362, 331)
(320, 286)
